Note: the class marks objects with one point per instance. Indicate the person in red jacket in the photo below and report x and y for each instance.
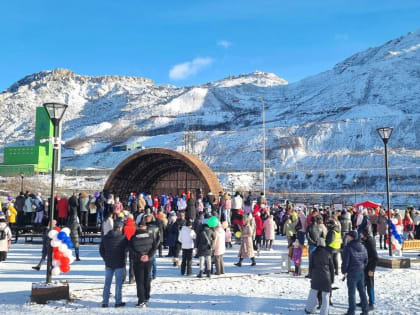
(409, 228)
(63, 210)
(129, 231)
(258, 232)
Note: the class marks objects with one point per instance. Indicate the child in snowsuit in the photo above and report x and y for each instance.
(297, 257)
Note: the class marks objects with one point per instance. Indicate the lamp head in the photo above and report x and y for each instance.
(385, 133)
(55, 111)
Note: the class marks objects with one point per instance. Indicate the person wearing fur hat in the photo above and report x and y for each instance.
(5, 237)
(321, 268)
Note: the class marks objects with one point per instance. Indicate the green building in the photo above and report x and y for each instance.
(32, 159)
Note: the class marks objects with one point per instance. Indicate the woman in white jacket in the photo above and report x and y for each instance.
(186, 238)
(219, 249)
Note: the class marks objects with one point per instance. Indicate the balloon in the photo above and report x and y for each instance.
(64, 260)
(213, 222)
(55, 243)
(70, 244)
(238, 234)
(65, 268)
(57, 229)
(55, 249)
(55, 271)
(56, 263)
(72, 259)
(61, 236)
(52, 234)
(62, 247)
(66, 230)
(393, 247)
(58, 255)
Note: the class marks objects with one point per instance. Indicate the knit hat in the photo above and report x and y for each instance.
(352, 234)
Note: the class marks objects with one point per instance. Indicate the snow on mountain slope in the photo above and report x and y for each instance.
(324, 123)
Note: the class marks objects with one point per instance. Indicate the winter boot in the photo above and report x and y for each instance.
(239, 263)
(37, 267)
(253, 261)
(208, 274)
(200, 274)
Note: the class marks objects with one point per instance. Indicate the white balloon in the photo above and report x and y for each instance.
(55, 243)
(67, 253)
(55, 263)
(66, 230)
(52, 234)
(62, 247)
(72, 259)
(55, 271)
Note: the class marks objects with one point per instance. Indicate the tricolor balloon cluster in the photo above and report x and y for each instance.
(61, 247)
(396, 240)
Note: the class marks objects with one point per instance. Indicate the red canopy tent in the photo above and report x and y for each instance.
(368, 204)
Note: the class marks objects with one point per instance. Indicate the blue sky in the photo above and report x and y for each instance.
(193, 42)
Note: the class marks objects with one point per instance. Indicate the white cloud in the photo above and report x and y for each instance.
(184, 70)
(224, 43)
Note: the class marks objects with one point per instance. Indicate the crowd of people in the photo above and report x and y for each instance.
(136, 230)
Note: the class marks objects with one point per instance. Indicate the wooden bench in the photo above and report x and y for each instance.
(411, 245)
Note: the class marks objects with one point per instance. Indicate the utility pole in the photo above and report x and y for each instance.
(264, 139)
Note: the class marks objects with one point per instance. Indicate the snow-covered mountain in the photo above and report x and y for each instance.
(321, 131)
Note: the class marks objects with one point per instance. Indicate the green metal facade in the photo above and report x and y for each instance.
(31, 159)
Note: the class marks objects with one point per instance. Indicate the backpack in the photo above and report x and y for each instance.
(3, 235)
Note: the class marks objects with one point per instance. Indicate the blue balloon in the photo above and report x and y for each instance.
(61, 236)
(70, 244)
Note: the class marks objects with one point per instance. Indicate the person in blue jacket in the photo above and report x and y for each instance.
(355, 259)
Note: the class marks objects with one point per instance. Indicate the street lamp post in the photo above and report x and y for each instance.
(22, 176)
(55, 112)
(385, 134)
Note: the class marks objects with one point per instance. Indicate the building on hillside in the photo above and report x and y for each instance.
(35, 159)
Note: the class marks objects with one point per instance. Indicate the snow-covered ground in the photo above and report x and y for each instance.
(265, 288)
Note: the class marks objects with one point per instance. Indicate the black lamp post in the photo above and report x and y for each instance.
(55, 112)
(385, 134)
(22, 176)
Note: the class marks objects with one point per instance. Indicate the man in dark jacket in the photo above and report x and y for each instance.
(153, 225)
(19, 205)
(369, 243)
(346, 225)
(74, 205)
(112, 250)
(204, 248)
(142, 248)
(355, 259)
(321, 268)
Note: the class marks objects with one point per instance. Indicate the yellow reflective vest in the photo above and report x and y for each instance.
(336, 243)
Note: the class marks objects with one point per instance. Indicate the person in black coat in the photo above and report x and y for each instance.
(19, 205)
(74, 205)
(112, 250)
(205, 241)
(142, 248)
(321, 268)
(369, 242)
(190, 211)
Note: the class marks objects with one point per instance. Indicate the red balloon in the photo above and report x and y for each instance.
(387, 241)
(393, 247)
(65, 268)
(64, 260)
(58, 255)
(57, 229)
(55, 249)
